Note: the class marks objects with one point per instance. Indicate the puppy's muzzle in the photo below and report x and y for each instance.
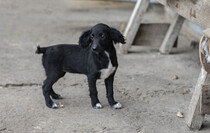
(94, 49)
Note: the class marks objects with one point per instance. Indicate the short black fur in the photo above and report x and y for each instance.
(89, 58)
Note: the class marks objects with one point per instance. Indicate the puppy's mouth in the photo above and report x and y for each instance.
(95, 52)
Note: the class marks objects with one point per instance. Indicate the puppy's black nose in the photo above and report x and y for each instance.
(94, 48)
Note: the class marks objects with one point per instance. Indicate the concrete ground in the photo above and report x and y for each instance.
(144, 82)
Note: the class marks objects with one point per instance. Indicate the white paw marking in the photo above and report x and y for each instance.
(106, 72)
(54, 105)
(98, 106)
(117, 106)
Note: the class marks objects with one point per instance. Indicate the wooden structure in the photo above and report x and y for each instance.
(172, 34)
(200, 102)
(151, 34)
(133, 24)
(197, 11)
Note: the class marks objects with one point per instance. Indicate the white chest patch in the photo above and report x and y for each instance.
(106, 72)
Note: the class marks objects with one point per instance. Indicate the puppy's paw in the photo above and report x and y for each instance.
(53, 106)
(117, 106)
(56, 96)
(98, 106)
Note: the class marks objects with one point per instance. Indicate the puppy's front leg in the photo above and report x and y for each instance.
(109, 92)
(93, 93)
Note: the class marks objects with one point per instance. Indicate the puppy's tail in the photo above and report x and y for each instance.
(40, 50)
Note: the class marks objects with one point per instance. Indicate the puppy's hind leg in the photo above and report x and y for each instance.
(55, 95)
(47, 89)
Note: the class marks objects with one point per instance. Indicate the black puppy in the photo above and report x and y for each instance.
(95, 56)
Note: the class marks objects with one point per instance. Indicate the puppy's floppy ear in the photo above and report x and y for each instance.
(116, 36)
(84, 39)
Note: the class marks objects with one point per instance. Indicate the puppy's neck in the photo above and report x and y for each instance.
(110, 49)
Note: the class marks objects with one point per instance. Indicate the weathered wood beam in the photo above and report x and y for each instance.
(133, 24)
(196, 11)
(194, 117)
(172, 34)
(205, 99)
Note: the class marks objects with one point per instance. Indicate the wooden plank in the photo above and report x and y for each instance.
(194, 118)
(172, 34)
(164, 2)
(205, 99)
(196, 11)
(205, 96)
(151, 34)
(206, 32)
(133, 24)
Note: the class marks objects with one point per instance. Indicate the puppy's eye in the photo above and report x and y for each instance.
(91, 36)
(102, 36)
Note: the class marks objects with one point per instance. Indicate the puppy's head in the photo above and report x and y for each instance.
(100, 38)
